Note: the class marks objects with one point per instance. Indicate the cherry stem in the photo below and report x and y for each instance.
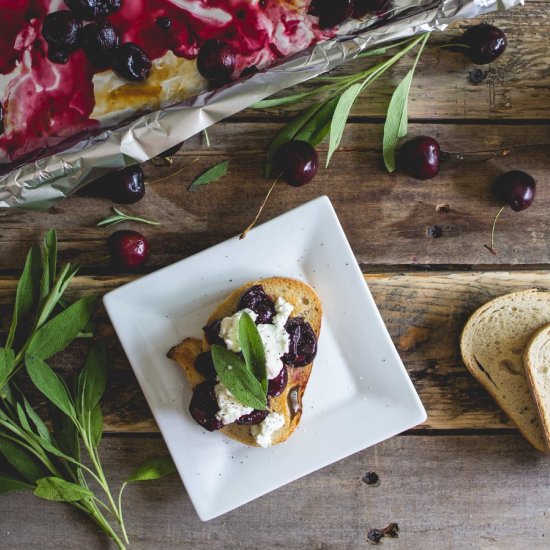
(491, 249)
(245, 232)
(168, 176)
(482, 156)
(452, 45)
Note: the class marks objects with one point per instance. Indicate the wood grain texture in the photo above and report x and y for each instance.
(424, 314)
(384, 216)
(495, 496)
(516, 86)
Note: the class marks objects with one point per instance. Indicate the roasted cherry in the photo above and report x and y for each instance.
(515, 188)
(216, 61)
(212, 332)
(255, 417)
(61, 29)
(303, 343)
(165, 23)
(129, 249)
(204, 406)
(131, 62)
(93, 9)
(205, 366)
(296, 162)
(99, 41)
(331, 12)
(56, 55)
(484, 43)
(277, 385)
(419, 157)
(259, 302)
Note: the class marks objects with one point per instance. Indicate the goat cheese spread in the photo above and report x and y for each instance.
(263, 433)
(230, 408)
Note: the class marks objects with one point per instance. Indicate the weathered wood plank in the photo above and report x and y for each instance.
(444, 493)
(517, 85)
(385, 216)
(424, 314)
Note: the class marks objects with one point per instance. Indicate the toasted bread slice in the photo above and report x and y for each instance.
(537, 368)
(307, 305)
(493, 342)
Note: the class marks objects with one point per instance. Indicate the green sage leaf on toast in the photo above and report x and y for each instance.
(238, 379)
(252, 349)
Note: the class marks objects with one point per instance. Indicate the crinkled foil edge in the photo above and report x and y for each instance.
(40, 184)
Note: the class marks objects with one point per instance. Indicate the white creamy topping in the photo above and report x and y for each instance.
(229, 330)
(263, 433)
(230, 408)
(275, 338)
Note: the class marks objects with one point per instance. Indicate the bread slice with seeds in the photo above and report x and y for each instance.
(493, 343)
(306, 304)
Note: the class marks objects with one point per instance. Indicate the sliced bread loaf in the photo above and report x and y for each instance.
(493, 342)
(537, 368)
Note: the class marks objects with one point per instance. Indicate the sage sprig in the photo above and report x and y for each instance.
(120, 217)
(329, 116)
(43, 459)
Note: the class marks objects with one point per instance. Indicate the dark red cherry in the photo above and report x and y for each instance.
(131, 62)
(205, 366)
(212, 332)
(126, 186)
(259, 302)
(61, 29)
(516, 188)
(277, 385)
(204, 406)
(128, 249)
(362, 7)
(216, 61)
(485, 43)
(99, 41)
(255, 417)
(296, 162)
(93, 9)
(331, 12)
(303, 343)
(419, 157)
(55, 55)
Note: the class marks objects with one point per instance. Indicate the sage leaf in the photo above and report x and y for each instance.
(396, 123)
(253, 349)
(7, 364)
(23, 420)
(55, 488)
(28, 291)
(95, 423)
(49, 260)
(153, 468)
(21, 460)
(62, 329)
(210, 176)
(238, 379)
(41, 428)
(50, 384)
(10, 484)
(341, 115)
(318, 127)
(93, 378)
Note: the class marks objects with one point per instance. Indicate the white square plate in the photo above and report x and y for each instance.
(359, 391)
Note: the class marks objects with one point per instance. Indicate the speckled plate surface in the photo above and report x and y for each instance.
(359, 392)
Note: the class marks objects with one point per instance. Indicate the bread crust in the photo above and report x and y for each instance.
(306, 304)
(529, 359)
(535, 434)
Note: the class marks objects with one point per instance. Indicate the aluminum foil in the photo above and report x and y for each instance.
(38, 185)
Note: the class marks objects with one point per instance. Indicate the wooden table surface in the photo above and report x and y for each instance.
(465, 478)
